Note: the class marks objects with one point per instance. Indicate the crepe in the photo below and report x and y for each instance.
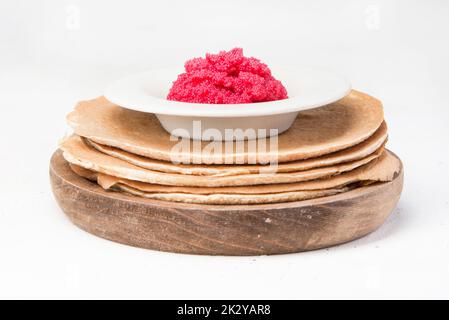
(314, 133)
(181, 194)
(230, 199)
(367, 147)
(381, 170)
(78, 153)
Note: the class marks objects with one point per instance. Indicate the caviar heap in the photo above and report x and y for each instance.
(226, 78)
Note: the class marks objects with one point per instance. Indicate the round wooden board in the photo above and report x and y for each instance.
(222, 230)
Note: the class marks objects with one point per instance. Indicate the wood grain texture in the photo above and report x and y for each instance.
(222, 230)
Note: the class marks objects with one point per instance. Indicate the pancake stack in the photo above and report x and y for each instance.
(328, 150)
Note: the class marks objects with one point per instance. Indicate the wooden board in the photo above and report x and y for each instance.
(222, 230)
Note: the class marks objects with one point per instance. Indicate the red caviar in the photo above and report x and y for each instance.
(226, 78)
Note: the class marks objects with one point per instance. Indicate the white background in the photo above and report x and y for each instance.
(55, 52)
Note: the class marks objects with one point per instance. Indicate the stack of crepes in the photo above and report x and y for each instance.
(327, 151)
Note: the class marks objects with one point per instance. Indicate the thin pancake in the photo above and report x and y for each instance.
(383, 169)
(229, 199)
(357, 152)
(78, 153)
(314, 133)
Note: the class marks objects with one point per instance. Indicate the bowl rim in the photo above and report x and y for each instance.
(116, 93)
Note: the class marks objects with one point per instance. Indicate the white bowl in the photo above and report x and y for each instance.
(306, 87)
